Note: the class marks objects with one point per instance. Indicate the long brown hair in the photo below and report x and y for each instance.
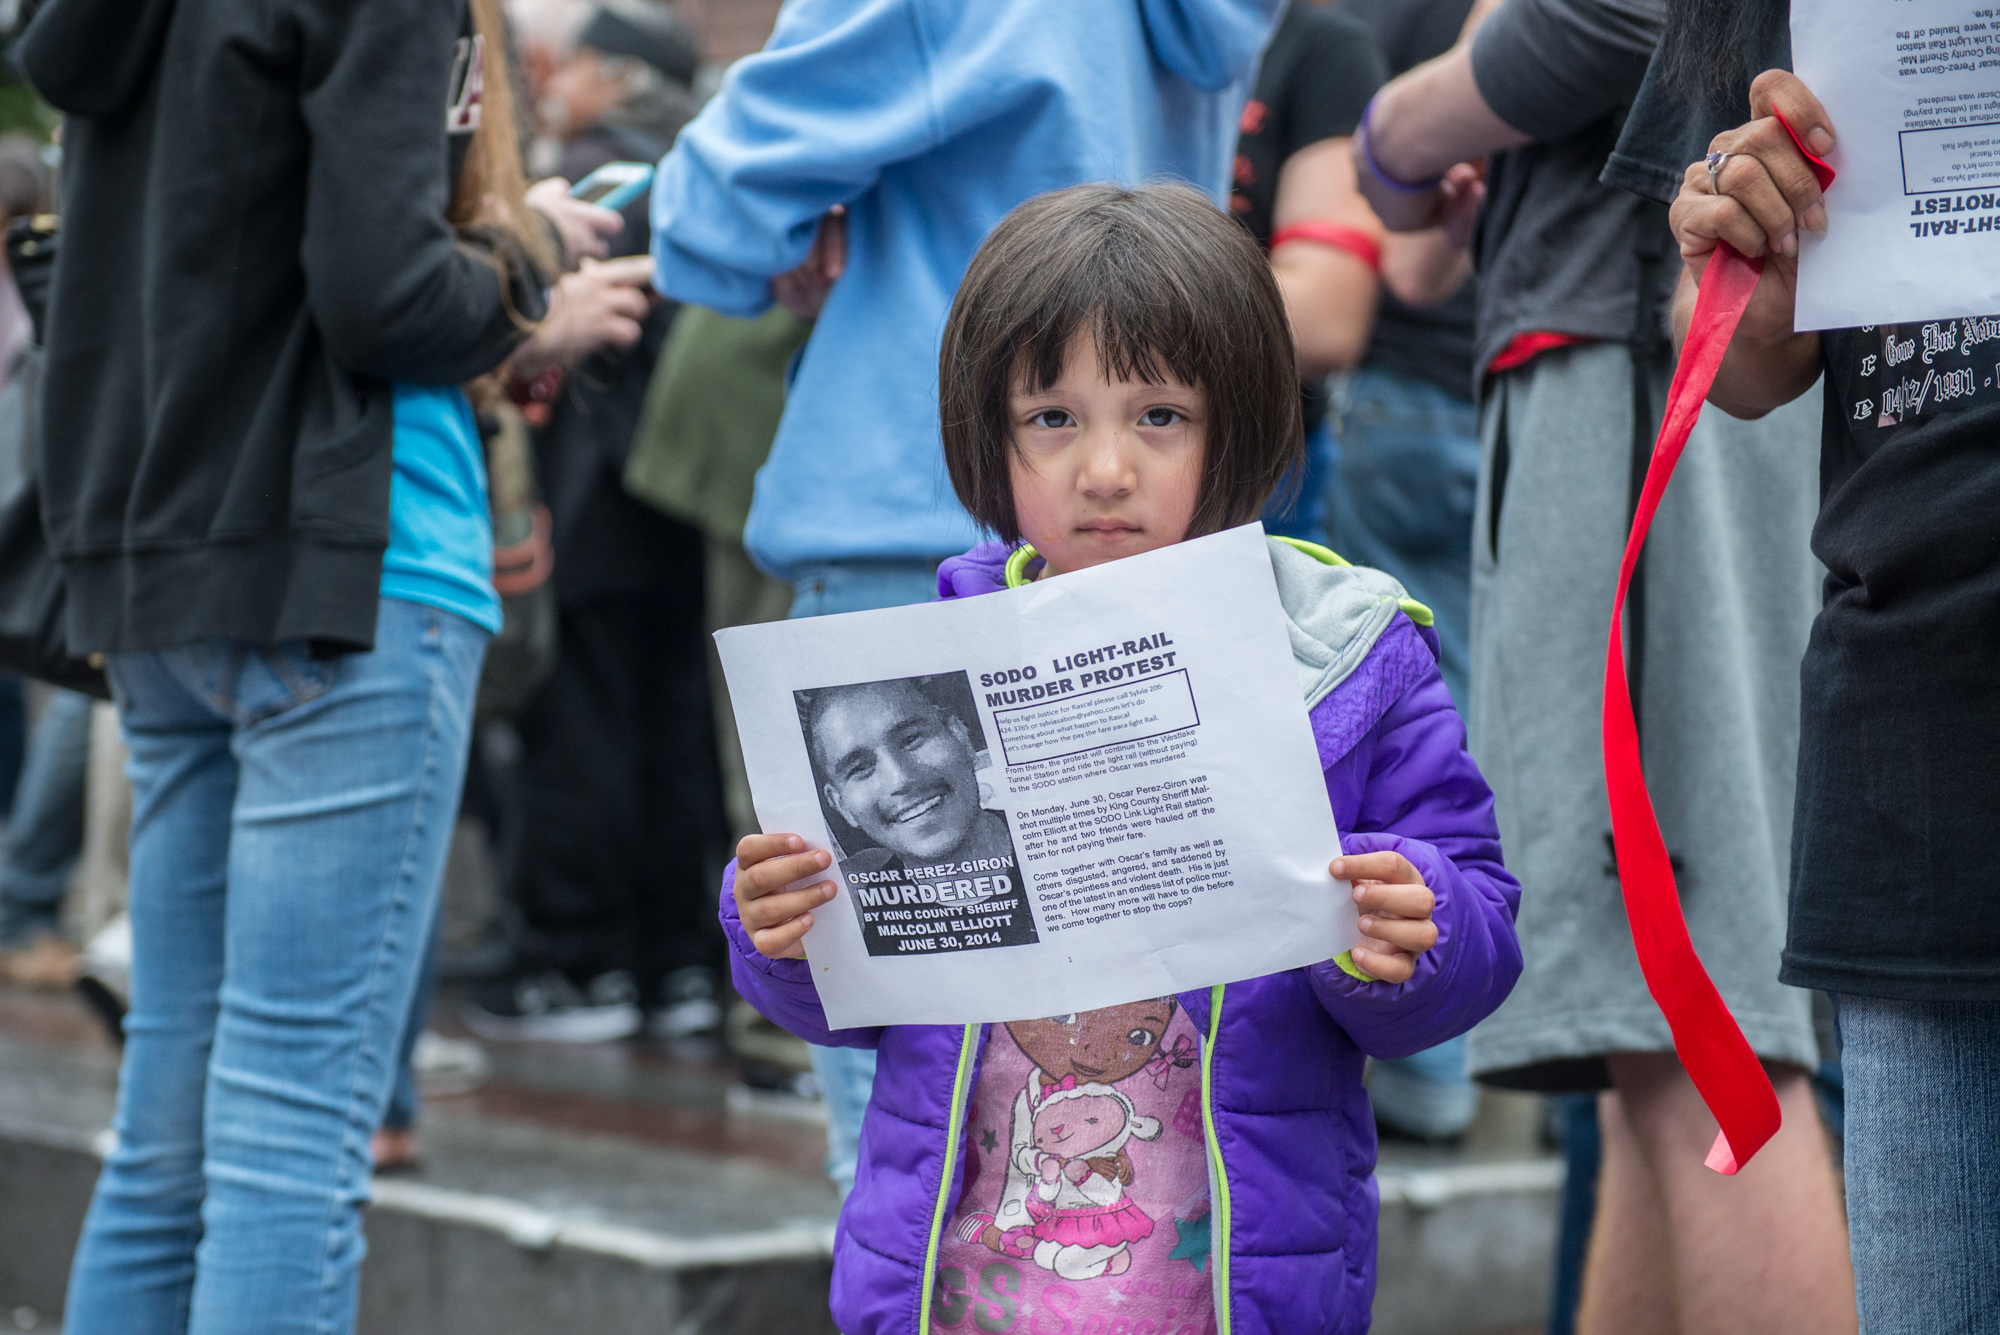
(490, 201)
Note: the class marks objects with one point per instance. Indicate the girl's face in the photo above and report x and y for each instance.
(1104, 469)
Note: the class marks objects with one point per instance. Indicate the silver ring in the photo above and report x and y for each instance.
(1714, 163)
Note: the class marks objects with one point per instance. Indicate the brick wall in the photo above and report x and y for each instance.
(729, 28)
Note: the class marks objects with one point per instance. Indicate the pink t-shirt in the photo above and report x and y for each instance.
(1085, 1209)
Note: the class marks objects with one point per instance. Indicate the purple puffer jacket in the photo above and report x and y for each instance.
(1291, 1140)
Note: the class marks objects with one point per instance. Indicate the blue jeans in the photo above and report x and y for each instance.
(45, 836)
(1583, 1157)
(290, 817)
(1922, 1081)
(1297, 509)
(404, 1102)
(847, 1075)
(1426, 1093)
(1400, 497)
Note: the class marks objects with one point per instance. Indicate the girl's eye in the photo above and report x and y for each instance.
(1140, 1038)
(1161, 417)
(1052, 419)
(1091, 1120)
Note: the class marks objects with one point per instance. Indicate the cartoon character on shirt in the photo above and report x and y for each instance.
(1081, 1223)
(1072, 1054)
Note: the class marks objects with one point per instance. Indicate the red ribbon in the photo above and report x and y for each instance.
(1707, 1039)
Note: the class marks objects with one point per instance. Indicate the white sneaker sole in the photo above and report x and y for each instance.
(588, 1024)
(684, 1018)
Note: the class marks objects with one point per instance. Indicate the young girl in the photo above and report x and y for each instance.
(1117, 375)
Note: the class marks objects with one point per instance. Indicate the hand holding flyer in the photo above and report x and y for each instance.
(1048, 799)
(1913, 90)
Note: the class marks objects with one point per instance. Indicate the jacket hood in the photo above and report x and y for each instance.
(1210, 43)
(1334, 612)
(91, 57)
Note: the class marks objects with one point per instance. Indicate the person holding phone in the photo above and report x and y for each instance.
(267, 493)
(622, 816)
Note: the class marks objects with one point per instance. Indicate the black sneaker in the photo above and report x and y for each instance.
(687, 1006)
(549, 1007)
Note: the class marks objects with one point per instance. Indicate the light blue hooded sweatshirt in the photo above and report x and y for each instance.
(929, 120)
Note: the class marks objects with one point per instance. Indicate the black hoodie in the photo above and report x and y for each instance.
(254, 247)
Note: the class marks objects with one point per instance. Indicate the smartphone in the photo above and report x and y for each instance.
(614, 185)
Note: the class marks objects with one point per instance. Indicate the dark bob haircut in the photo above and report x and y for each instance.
(1167, 284)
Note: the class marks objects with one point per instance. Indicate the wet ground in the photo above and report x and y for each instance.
(638, 1186)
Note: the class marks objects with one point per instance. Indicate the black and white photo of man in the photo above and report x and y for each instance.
(896, 767)
(899, 769)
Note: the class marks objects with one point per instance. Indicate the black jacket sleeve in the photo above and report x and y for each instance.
(393, 292)
(64, 50)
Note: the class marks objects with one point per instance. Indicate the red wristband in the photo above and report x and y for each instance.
(1340, 236)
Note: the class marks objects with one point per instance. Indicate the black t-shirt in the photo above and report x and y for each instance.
(1410, 31)
(1430, 343)
(1895, 885)
(1318, 73)
(1895, 889)
(1557, 250)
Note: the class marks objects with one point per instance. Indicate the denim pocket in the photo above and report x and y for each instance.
(1416, 487)
(263, 681)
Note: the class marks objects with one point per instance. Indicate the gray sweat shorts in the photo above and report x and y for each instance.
(1731, 588)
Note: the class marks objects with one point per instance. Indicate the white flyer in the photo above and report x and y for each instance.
(1913, 220)
(1087, 791)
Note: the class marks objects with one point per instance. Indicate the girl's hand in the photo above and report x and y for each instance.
(1765, 191)
(1395, 907)
(775, 917)
(1460, 194)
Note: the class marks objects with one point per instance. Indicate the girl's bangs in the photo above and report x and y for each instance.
(1141, 319)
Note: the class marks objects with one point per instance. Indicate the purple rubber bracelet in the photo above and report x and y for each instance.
(1375, 168)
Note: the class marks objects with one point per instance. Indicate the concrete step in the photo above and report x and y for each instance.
(1466, 1247)
(612, 1190)
(512, 1226)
